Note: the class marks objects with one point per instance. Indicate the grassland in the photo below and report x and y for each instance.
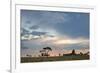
(56, 58)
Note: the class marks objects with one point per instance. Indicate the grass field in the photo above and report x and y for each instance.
(56, 58)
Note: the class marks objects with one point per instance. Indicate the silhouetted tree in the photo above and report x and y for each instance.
(42, 52)
(59, 54)
(73, 52)
(29, 55)
(45, 51)
(81, 53)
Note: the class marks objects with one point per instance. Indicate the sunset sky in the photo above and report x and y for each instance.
(59, 30)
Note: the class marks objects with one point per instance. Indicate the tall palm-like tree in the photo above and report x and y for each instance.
(73, 52)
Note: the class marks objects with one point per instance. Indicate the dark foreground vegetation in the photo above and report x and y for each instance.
(56, 58)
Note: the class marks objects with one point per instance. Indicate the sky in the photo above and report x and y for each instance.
(59, 30)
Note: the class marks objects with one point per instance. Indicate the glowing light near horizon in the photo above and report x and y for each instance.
(66, 42)
(71, 41)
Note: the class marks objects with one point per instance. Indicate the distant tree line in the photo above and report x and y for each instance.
(45, 53)
(74, 53)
